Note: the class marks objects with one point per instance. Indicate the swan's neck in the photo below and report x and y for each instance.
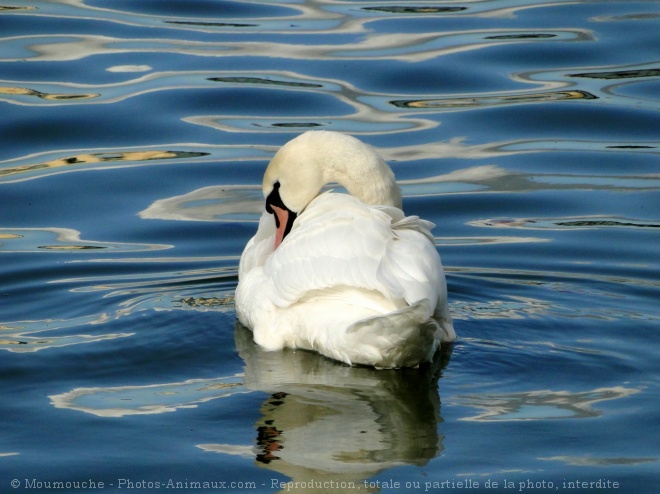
(365, 175)
(314, 159)
(372, 189)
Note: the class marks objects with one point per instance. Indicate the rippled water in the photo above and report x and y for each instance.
(134, 137)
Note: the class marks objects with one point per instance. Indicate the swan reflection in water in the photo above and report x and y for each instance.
(327, 421)
(322, 420)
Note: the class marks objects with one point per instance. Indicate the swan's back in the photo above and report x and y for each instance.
(358, 283)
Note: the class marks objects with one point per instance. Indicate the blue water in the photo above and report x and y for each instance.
(134, 138)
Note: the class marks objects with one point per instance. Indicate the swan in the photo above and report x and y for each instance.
(346, 275)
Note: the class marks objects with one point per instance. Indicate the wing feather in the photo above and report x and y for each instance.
(355, 282)
(337, 241)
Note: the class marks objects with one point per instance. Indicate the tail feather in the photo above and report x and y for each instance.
(404, 338)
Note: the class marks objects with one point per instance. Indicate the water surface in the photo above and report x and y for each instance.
(135, 135)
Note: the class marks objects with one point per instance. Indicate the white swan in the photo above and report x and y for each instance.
(348, 276)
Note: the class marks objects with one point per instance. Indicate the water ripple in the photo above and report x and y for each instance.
(325, 16)
(14, 240)
(135, 138)
(540, 405)
(565, 223)
(34, 336)
(408, 47)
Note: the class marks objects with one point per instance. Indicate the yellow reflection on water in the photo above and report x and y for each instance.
(21, 91)
(494, 100)
(91, 158)
(13, 8)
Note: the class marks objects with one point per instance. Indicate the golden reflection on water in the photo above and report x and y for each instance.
(13, 8)
(365, 111)
(264, 81)
(414, 10)
(20, 91)
(91, 158)
(477, 101)
(620, 74)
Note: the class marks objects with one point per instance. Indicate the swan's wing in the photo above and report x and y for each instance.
(414, 258)
(258, 247)
(426, 271)
(339, 241)
(336, 241)
(402, 222)
(411, 268)
(346, 265)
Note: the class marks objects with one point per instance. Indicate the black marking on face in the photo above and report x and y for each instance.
(274, 199)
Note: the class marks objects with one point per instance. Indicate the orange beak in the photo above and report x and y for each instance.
(281, 222)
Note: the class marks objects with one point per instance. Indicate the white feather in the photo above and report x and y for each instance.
(348, 283)
(356, 282)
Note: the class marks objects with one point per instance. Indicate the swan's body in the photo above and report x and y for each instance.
(348, 276)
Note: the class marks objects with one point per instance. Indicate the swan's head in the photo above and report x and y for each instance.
(300, 169)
